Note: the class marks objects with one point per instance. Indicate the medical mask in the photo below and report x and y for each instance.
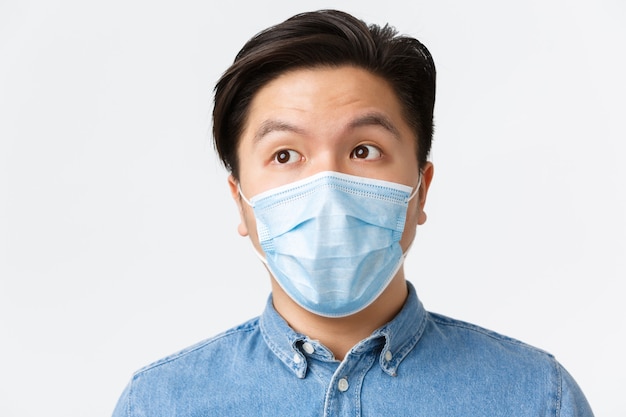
(332, 241)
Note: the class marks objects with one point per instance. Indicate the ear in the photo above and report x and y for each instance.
(427, 176)
(233, 184)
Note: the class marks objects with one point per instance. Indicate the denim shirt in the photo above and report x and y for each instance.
(419, 364)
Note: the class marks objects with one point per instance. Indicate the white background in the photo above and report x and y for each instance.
(118, 240)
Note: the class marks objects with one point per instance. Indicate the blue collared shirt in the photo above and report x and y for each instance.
(419, 364)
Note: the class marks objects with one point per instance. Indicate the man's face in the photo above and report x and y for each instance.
(341, 119)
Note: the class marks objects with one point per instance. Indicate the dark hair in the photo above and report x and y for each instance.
(325, 38)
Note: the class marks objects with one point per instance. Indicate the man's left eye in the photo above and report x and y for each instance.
(365, 152)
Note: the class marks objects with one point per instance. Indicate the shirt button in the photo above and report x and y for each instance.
(343, 385)
(388, 355)
(308, 348)
(297, 358)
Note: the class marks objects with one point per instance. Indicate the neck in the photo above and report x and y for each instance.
(342, 333)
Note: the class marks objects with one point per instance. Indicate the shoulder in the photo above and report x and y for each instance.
(181, 377)
(212, 346)
(208, 361)
(220, 344)
(478, 353)
(488, 364)
(453, 330)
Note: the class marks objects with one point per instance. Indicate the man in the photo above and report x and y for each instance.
(325, 125)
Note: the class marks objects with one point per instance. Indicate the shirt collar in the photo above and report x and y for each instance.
(399, 336)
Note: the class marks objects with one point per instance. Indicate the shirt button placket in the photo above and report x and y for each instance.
(342, 395)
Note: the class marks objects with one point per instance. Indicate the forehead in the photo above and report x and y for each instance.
(344, 79)
(324, 94)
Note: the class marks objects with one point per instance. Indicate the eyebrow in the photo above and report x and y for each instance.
(368, 119)
(270, 126)
(376, 119)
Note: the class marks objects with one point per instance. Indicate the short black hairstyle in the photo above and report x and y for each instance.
(325, 38)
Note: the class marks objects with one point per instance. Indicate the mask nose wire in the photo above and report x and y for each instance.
(413, 194)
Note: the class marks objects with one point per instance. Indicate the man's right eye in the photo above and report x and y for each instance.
(287, 156)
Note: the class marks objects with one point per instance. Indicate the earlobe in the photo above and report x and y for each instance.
(233, 185)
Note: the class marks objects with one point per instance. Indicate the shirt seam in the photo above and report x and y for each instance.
(130, 396)
(559, 388)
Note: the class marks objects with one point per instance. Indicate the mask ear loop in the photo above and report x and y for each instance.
(243, 196)
(413, 194)
(406, 252)
(260, 256)
(417, 187)
(256, 252)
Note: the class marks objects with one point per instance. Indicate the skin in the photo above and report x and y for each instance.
(343, 119)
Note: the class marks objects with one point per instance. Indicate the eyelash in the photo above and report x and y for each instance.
(285, 152)
(367, 149)
(288, 153)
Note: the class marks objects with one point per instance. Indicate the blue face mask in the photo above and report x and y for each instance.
(331, 241)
